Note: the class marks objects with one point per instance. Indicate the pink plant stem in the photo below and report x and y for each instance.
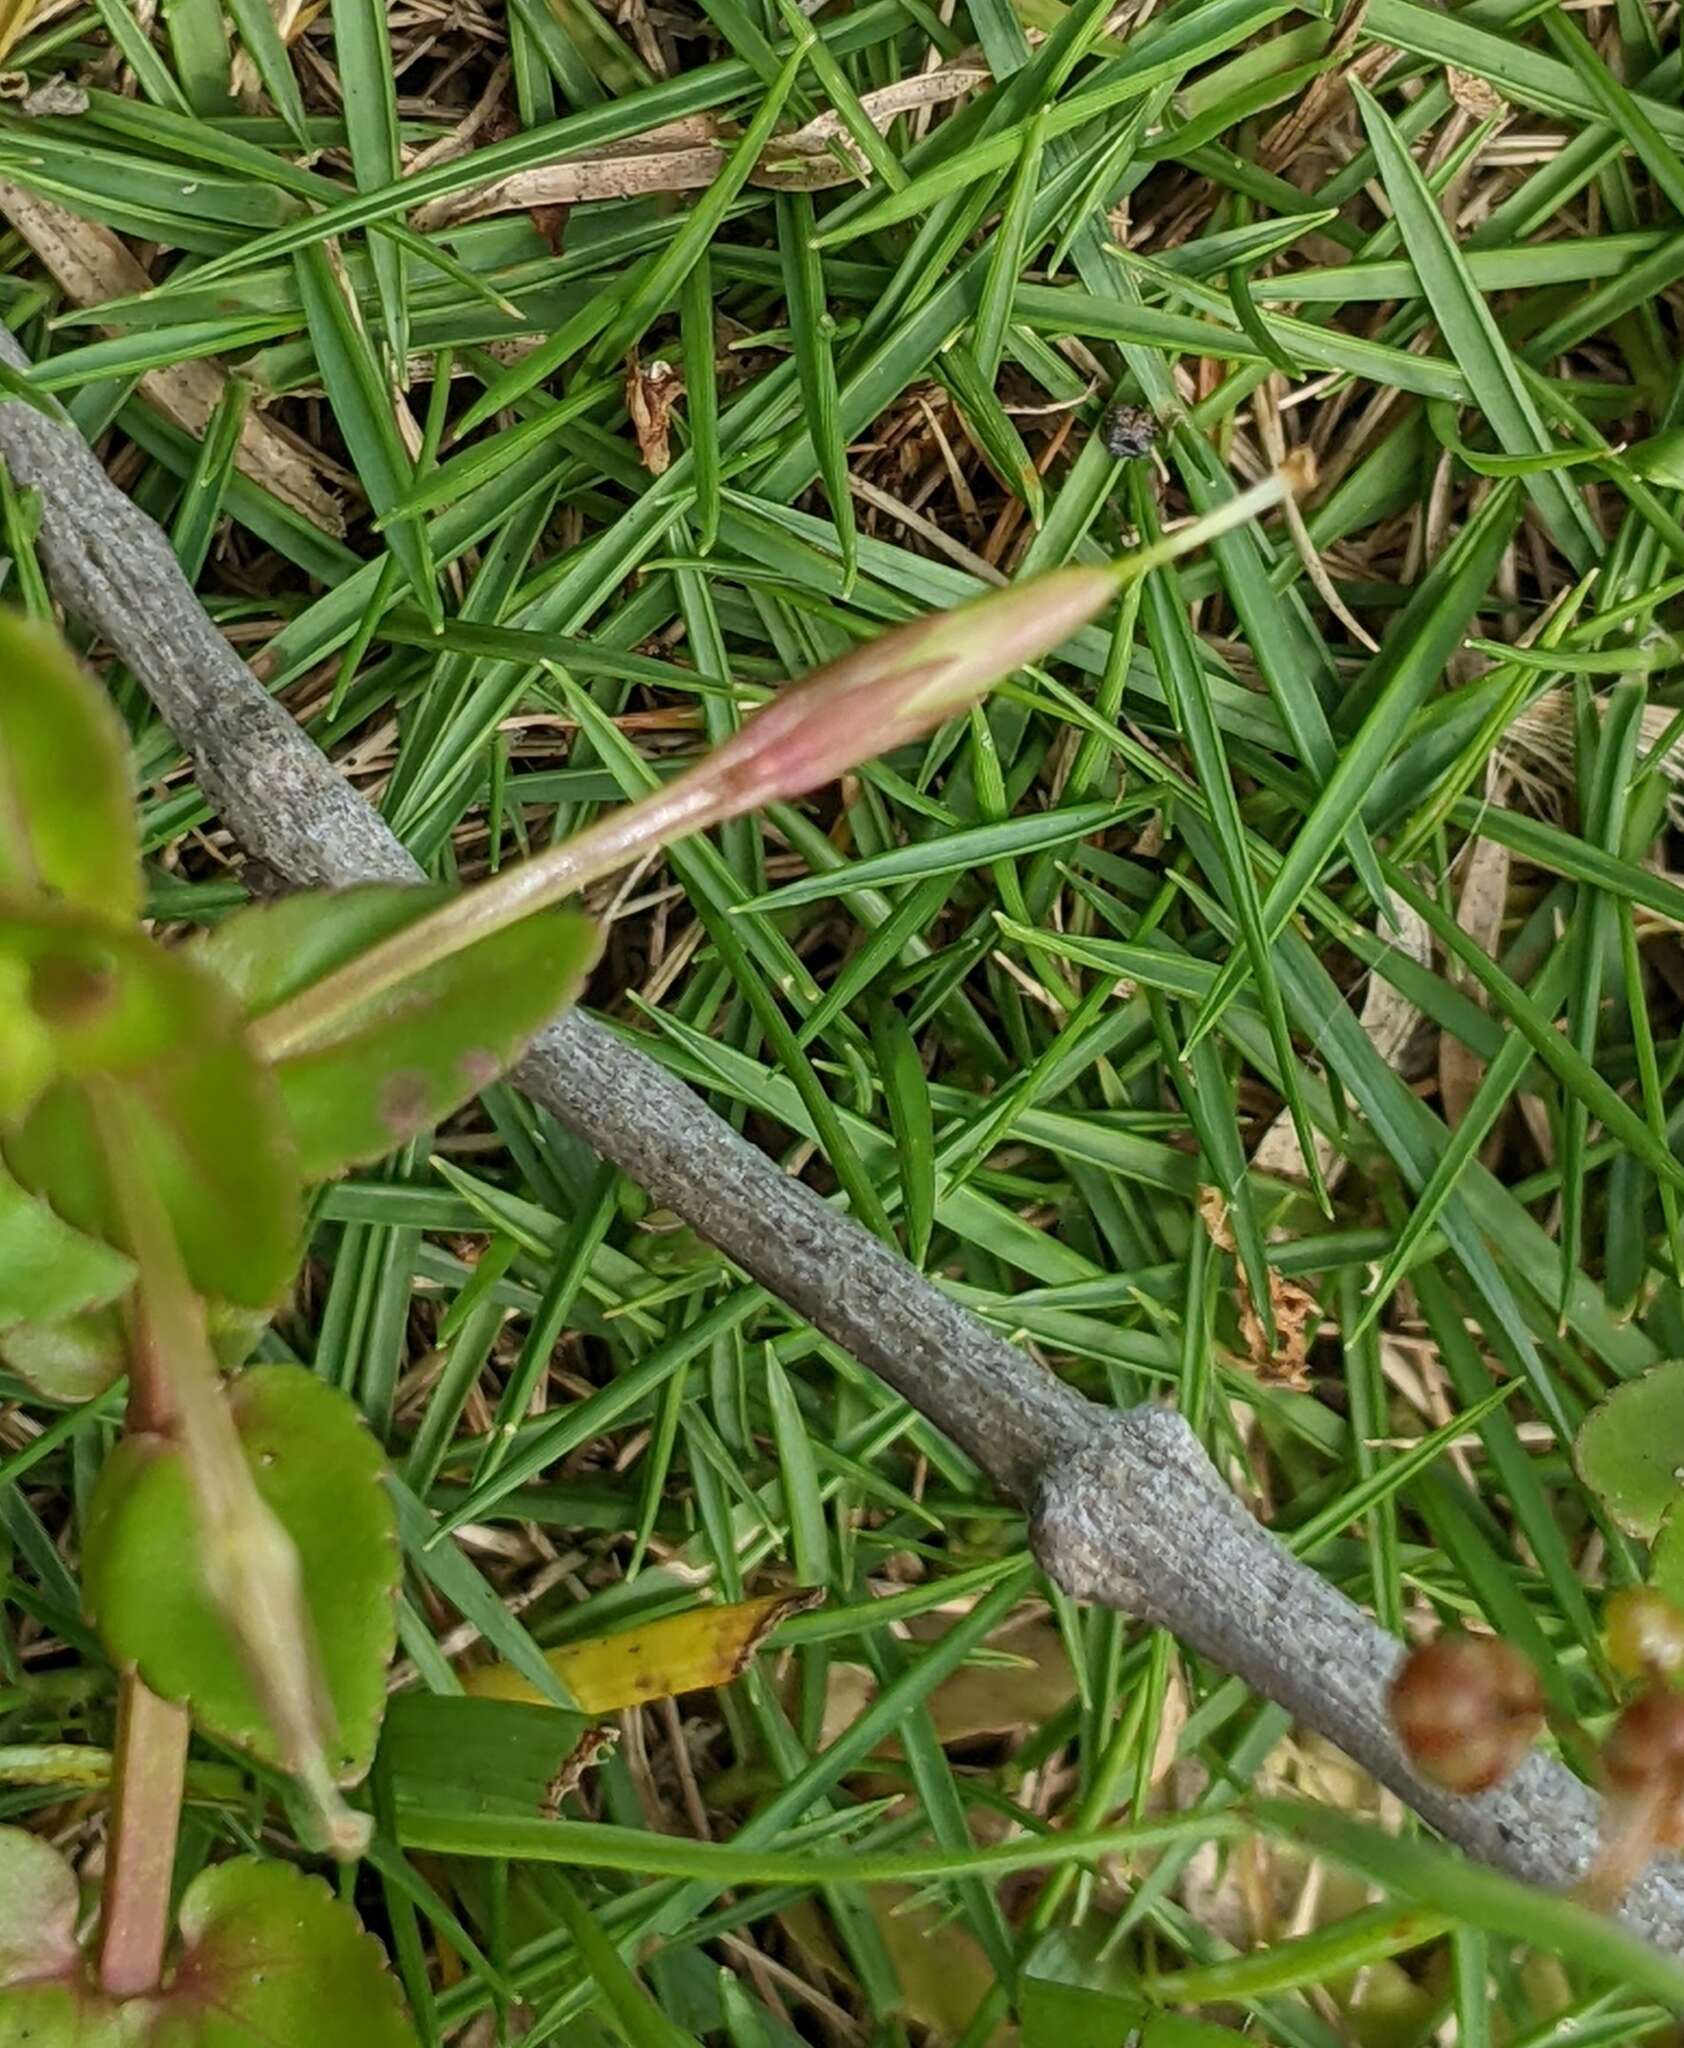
(152, 1407)
(250, 1563)
(151, 1763)
(150, 1774)
(686, 805)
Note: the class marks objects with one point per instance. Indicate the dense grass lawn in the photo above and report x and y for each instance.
(1273, 1003)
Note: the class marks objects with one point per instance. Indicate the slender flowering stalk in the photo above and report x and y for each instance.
(869, 701)
(250, 1563)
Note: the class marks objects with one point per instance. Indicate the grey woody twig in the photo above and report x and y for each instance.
(1125, 1508)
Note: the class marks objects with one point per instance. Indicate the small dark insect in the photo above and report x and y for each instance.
(1127, 431)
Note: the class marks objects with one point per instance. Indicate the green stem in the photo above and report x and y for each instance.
(249, 1562)
(150, 1775)
(688, 804)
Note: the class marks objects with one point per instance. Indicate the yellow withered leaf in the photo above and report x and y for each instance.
(689, 1652)
(15, 17)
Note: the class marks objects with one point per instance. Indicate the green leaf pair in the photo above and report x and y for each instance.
(264, 1955)
(94, 1007)
(56, 1288)
(89, 1004)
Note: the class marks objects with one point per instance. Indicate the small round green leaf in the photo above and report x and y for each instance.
(66, 817)
(1072, 2016)
(211, 1130)
(47, 1270)
(69, 1361)
(318, 1468)
(1630, 1449)
(81, 1356)
(401, 1062)
(233, 1332)
(265, 1956)
(276, 1957)
(39, 1904)
(57, 1285)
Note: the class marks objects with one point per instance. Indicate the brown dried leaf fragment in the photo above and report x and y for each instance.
(551, 224)
(584, 1756)
(577, 181)
(1296, 1310)
(44, 99)
(1297, 1313)
(291, 18)
(685, 155)
(1213, 1214)
(1476, 96)
(650, 397)
(1328, 94)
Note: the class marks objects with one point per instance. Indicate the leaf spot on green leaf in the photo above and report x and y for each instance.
(479, 1068)
(64, 990)
(403, 1103)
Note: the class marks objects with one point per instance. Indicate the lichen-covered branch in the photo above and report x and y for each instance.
(1126, 1509)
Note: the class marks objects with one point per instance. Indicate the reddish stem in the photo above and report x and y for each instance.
(150, 1761)
(151, 1406)
(151, 1770)
(249, 1562)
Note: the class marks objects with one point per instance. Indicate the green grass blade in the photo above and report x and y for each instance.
(809, 317)
(1473, 335)
(1396, 685)
(363, 47)
(362, 402)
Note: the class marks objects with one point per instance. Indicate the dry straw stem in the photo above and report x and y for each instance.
(690, 154)
(1125, 1508)
(90, 264)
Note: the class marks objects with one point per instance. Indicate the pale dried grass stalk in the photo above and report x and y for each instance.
(1538, 751)
(689, 154)
(89, 264)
